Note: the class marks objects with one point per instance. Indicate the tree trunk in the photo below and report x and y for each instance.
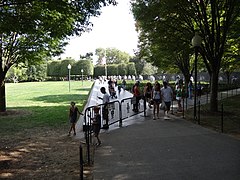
(187, 79)
(2, 95)
(214, 92)
(228, 77)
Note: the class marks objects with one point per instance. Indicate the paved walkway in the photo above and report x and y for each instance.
(94, 100)
(164, 149)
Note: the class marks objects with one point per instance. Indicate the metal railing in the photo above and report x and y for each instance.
(117, 112)
(222, 120)
(121, 110)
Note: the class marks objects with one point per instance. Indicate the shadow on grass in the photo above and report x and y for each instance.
(39, 154)
(62, 98)
(23, 119)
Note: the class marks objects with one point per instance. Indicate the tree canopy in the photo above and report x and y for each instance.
(167, 27)
(111, 56)
(31, 30)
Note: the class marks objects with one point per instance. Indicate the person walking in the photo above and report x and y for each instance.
(167, 96)
(119, 89)
(178, 82)
(105, 100)
(179, 98)
(147, 92)
(96, 124)
(136, 96)
(73, 115)
(156, 96)
(124, 83)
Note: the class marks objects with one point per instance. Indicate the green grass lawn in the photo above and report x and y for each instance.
(38, 104)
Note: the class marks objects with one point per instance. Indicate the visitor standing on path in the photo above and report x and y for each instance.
(136, 96)
(105, 100)
(147, 93)
(167, 96)
(156, 96)
(96, 124)
(124, 83)
(179, 98)
(73, 115)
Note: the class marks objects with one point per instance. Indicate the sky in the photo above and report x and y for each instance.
(114, 28)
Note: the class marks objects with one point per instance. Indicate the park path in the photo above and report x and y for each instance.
(95, 93)
(173, 149)
(144, 148)
(94, 100)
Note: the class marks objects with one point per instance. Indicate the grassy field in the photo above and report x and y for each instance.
(36, 104)
(34, 142)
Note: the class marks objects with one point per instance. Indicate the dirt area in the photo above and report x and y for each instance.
(40, 153)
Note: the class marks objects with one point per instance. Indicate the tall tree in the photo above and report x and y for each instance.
(164, 40)
(87, 56)
(111, 56)
(168, 23)
(31, 30)
(115, 56)
(215, 20)
(100, 53)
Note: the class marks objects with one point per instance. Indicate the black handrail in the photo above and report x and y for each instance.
(88, 114)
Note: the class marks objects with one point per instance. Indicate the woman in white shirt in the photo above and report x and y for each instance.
(156, 96)
(167, 96)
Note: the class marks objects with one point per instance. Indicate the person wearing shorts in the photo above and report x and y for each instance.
(96, 124)
(156, 96)
(105, 100)
(167, 96)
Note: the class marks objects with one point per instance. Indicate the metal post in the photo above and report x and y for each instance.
(207, 98)
(145, 105)
(186, 103)
(105, 56)
(81, 161)
(222, 118)
(199, 111)
(69, 78)
(183, 108)
(120, 114)
(88, 142)
(82, 76)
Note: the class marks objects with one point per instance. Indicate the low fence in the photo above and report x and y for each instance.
(117, 112)
(224, 120)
